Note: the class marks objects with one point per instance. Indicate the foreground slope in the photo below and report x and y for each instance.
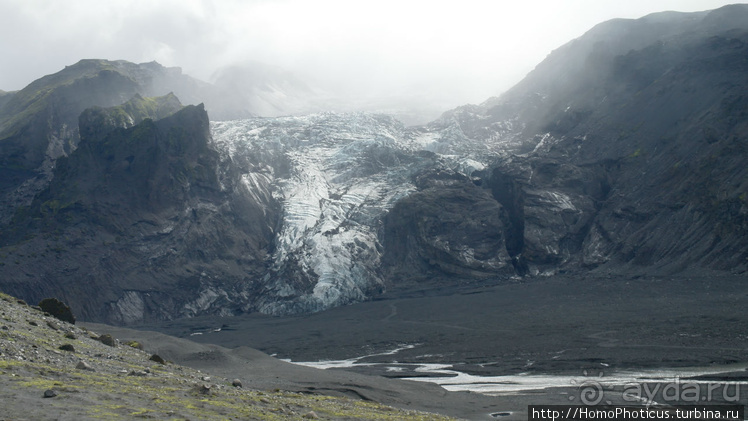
(51, 369)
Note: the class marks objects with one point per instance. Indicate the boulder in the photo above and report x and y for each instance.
(57, 309)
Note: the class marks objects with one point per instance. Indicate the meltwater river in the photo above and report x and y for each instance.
(454, 380)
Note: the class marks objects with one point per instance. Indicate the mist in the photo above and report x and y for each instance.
(433, 55)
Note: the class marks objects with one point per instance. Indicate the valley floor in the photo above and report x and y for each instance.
(559, 326)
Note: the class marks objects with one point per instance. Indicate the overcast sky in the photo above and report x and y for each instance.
(467, 49)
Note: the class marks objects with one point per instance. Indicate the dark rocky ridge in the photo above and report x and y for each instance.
(632, 143)
(96, 122)
(39, 123)
(144, 216)
(448, 231)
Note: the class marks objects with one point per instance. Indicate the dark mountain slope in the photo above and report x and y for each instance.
(680, 146)
(575, 78)
(144, 217)
(39, 123)
(624, 151)
(636, 156)
(448, 232)
(5, 97)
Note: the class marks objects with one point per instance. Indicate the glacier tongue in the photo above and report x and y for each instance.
(335, 175)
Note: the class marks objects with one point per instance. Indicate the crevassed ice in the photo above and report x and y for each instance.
(335, 176)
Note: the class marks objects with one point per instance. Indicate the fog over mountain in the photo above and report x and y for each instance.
(415, 58)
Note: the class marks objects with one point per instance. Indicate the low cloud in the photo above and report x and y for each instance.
(454, 52)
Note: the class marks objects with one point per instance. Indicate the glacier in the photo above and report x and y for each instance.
(335, 175)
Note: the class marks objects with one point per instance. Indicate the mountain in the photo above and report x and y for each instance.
(340, 180)
(5, 97)
(617, 57)
(147, 215)
(626, 146)
(39, 123)
(621, 154)
(251, 89)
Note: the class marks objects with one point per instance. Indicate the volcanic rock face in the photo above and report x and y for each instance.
(629, 145)
(39, 123)
(141, 223)
(448, 231)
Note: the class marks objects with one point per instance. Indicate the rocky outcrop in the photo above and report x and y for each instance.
(633, 163)
(97, 122)
(57, 309)
(39, 123)
(550, 208)
(149, 217)
(449, 231)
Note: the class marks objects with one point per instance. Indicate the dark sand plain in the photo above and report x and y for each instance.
(562, 325)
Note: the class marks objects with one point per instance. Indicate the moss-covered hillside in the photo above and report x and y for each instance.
(51, 369)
